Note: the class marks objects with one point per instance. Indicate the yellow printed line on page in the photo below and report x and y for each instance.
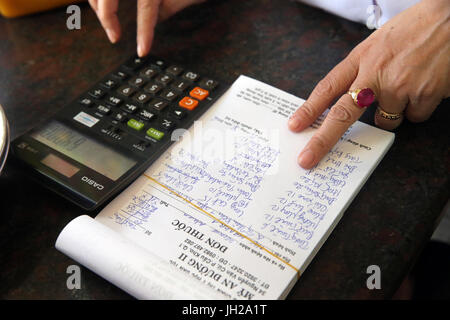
(223, 223)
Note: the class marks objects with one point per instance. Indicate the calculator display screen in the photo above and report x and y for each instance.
(81, 148)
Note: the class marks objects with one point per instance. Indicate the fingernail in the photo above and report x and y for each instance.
(306, 159)
(142, 46)
(293, 123)
(139, 50)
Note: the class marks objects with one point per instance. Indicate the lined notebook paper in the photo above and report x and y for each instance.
(227, 213)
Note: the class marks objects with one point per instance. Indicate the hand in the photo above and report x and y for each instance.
(148, 13)
(406, 63)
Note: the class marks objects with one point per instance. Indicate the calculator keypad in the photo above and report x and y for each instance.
(199, 93)
(153, 88)
(188, 103)
(145, 99)
(87, 102)
(130, 107)
(97, 93)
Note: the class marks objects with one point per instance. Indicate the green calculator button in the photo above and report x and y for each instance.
(155, 134)
(136, 125)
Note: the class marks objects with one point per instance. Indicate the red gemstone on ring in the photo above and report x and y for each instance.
(365, 97)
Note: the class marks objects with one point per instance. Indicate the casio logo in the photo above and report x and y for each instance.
(91, 182)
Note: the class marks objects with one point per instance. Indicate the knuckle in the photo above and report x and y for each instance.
(427, 90)
(384, 61)
(340, 113)
(325, 86)
(399, 84)
(306, 111)
(359, 50)
(319, 141)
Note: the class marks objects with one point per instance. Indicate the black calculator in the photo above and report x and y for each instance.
(98, 144)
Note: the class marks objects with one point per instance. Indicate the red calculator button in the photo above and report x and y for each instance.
(188, 103)
(199, 93)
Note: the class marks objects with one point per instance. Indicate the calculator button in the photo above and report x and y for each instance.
(126, 90)
(169, 94)
(137, 81)
(181, 85)
(130, 108)
(97, 93)
(141, 146)
(120, 75)
(174, 70)
(135, 63)
(208, 84)
(142, 97)
(119, 133)
(153, 88)
(146, 115)
(149, 72)
(178, 114)
(135, 124)
(103, 109)
(155, 134)
(114, 133)
(166, 124)
(199, 93)
(120, 117)
(159, 62)
(87, 102)
(113, 100)
(109, 83)
(158, 104)
(188, 103)
(192, 76)
(165, 79)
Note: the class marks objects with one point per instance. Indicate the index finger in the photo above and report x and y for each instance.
(335, 83)
(147, 17)
(341, 116)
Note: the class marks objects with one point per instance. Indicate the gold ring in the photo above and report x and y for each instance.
(387, 115)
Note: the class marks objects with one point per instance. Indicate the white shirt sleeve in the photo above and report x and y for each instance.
(364, 11)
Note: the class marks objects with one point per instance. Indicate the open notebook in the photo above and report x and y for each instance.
(227, 213)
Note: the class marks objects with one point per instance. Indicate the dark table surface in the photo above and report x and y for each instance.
(44, 66)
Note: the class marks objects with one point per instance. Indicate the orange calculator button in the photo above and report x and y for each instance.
(199, 93)
(188, 103)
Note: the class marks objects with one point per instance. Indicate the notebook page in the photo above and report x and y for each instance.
(126, 264)
(229, 205)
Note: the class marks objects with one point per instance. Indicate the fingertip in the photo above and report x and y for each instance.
(144, 42)
(140, 51)
(142, 48)
(307, 159)
(297, 124)
(113, 35)
(294, 123)
(147, 17)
